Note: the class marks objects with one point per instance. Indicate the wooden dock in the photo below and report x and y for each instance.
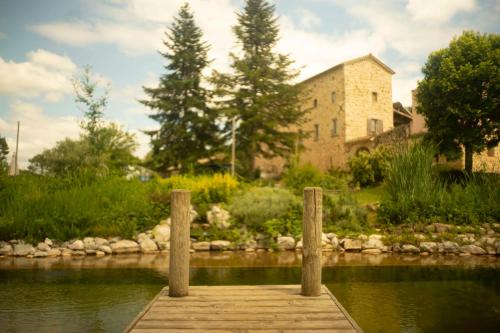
(309, 307)
(224, 309)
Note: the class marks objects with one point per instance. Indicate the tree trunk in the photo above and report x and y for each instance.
(468, 159)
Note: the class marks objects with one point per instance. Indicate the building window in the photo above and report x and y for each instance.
(334, 96)
(375, 126)
(374, 96)
(315, 103)
(491, 152)
(334, 127)
(316, 132)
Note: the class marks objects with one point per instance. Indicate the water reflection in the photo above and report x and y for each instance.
(384, 293)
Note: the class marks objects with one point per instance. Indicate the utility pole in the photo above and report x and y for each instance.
(233, 148)
(17, 152)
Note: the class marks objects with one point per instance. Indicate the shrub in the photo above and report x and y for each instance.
(255, 206)
(370, 168)
(205, 189)
(343, 214)
(298, 177)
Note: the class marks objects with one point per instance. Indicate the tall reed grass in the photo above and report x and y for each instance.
(416, 193)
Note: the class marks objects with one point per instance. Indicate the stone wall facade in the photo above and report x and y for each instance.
(341, 101)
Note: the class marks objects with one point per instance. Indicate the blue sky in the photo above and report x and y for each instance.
(44, 43)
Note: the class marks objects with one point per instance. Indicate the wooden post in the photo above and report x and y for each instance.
(311, 236)
(179, 243)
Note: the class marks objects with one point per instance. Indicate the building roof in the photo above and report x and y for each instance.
(352, 61)
(401, 110)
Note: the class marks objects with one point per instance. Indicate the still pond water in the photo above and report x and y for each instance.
(382, 293)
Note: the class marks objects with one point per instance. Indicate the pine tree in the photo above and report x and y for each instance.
(188, 130)
(260, 93)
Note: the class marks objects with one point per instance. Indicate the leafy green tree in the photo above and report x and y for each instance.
(86, 89)
(74, 156)
(102, 148)
(259, 93)
(4, 155)
(459, 95)
(188, 130)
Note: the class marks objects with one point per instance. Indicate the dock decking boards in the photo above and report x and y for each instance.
(244, 309)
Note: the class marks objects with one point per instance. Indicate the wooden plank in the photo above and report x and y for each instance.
(176, 330)
(242, 316)
(238, 309)
(247, 309)
(221, 304)
(245, 324)
(241, 292)
(220, 298)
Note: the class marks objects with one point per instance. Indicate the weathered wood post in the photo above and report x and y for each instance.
(311, 236)
(179, 243)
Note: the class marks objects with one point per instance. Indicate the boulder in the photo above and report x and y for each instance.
(429, 247)
(335, 242)
(125, 246)
(43, 247)
(147, 244)
(201, 246)
(363, 237)
(220, 245)
(439, 227)
(76, 245)
(40, 254)
(105, 248)
(472, 249)
(286, 243)
(5, 249)
(193, 214)
(164, 246)
(300, 245)
(100, 241)
(90, 251)
(99, 253)
(22, 249)
(250, 244)
(53, 253)
(89, 243)
(450, 247)
(65, 252)
(78, 253)
(219, 217)
(48, 241)
(351, 244)
(371, 251)
(161, 233)
(373, 242)
(408, 248)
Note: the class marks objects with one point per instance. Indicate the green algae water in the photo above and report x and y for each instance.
(382, 293)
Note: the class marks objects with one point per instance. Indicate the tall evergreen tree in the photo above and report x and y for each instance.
(188, 130)
(260, 93)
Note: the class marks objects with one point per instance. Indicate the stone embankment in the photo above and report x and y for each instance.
(438, 238)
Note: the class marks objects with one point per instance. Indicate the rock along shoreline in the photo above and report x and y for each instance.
(157, 240)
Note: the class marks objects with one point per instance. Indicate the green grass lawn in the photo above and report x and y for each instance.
(370, 194)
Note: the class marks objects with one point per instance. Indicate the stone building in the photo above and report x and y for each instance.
(349, 105)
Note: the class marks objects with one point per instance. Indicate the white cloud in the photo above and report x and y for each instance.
(44, 74)
(307, 19)
(38, 131)
(314, 52)
(437, 10)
